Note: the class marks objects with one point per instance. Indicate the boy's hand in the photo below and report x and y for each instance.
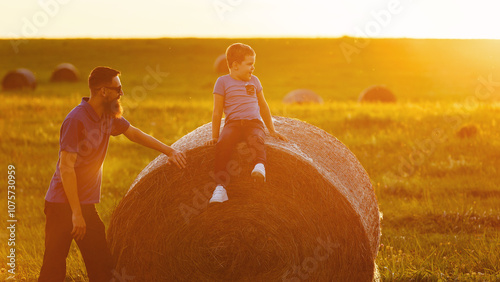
(211, 142)
(278, 136)
(177, 158)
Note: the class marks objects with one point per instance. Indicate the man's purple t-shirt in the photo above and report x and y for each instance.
(85, 133)
(240, 97)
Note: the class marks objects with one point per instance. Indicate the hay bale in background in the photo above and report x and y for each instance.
(315, 218)
(220, 65)
(377, 93)
(65, 72)
(468, 131)
(302, 96)
(19, 79)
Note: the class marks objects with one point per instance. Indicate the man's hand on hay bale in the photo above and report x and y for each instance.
(136, 135)
(177, 158)
(278, 135)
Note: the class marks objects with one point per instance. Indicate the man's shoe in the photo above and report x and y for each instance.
(219, 195)
(259, 173)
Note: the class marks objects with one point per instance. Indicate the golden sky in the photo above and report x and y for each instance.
(250, 18)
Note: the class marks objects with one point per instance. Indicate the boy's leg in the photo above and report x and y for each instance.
(94, 248)
(231, 134)
(58, 226)
(254, 134)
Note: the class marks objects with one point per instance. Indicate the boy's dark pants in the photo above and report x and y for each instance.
(93, 246)
(251, 131)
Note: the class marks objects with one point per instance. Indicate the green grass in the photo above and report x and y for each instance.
(440, 221)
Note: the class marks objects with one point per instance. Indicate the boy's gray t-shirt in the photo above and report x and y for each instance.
(240, 97)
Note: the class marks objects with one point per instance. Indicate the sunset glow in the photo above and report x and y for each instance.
(256, 18)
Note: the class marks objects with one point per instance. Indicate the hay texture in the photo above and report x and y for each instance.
(302, 96)
(65, 72)
(377, 93)
(220, 65)
(19, 79)
(315, 218)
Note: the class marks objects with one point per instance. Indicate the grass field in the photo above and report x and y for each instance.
(439, 194)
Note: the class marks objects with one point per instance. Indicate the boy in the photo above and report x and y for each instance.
(239, 94)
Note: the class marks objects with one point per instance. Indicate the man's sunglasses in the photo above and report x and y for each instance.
(117, 89)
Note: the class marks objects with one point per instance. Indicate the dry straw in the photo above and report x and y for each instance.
(315, 218)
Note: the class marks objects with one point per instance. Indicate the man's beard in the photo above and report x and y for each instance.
(113, 108)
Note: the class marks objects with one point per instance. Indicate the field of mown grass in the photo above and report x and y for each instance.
(439, 194)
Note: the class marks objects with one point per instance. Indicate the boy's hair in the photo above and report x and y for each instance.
(237, 53)
(100, 76)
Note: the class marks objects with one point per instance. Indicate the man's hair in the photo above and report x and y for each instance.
(237, 53)
(101, 76)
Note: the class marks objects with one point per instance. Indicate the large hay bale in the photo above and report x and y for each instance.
(377, 93)
(220, 65)
(315, 218)
(65, 72)
(302, 96)
(19, 79)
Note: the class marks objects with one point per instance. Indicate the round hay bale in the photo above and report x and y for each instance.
(377, 93)
(302, 96)
(19, 79)
(315, 218)
(65, 72)
(468, 131)
(220, 65)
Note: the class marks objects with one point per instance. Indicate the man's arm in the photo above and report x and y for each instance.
(136, 135)
(216, 117)
(68, 177)
(265, 113)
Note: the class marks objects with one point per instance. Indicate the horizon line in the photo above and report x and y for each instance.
(237, 37)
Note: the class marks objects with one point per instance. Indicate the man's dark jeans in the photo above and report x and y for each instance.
(93, 246)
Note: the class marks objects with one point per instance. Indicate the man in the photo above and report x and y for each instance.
(76, 184)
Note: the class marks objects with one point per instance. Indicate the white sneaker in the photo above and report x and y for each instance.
(259, 173)
(219, 195)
